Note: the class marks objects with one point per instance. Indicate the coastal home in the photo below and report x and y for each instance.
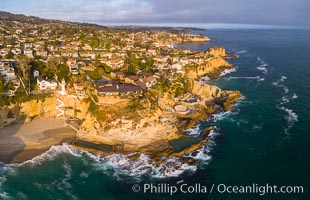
(17, 51)
(10, 74)
(45, 84)
(86, 65)
(28, 45)
(115, 63)
(73, 66)
(128, 78)
(122, 90)
(42, 54)
(118, 74)
(28, 53)
(19, 31)
(149, 81)
(91, 55)
(79, 88)
(7, 71)
(4, 52)
(178, 67)
(36, 73)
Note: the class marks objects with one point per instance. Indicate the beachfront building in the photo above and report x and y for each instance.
(79, 88)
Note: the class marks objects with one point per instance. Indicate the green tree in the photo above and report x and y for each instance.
(10, 55)
(108, 45)
(169, 61)
(2, 89)
(106, 68)
(62, 72)
(9, 86)
(149, 65)
(94, 43)
(52, 66)
(24, 65)
(123, 43)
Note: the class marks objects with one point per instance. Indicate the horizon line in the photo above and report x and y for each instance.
(207, 25)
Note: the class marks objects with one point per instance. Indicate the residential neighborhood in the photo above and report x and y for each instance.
(94, 61)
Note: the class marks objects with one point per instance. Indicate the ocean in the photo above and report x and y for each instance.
(264, 139)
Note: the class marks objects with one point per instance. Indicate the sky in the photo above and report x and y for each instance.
(234, 13)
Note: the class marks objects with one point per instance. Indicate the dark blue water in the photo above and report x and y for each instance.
(265, 139)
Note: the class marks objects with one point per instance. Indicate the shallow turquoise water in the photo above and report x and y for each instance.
(265, 139)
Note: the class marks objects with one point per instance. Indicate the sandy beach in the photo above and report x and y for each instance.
(20, 142)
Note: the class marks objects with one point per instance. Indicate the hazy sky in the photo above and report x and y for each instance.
(264, 12)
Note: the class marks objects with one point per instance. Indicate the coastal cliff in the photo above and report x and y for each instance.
(146, 130)
(213, 66)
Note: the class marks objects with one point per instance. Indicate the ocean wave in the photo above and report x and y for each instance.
(5, 196)
(284, 100)
(128, 167)
(294, 96)
(278, 84)
(291, 118)
(241, 51)
(195, 131)
(220, 116)
(50, 154)
(238, 53)
(123, 167)
(258, 78)
(228, 71)
(283, 78)
(262, 66)
(203, 155)
(3, 171)
(120, 166)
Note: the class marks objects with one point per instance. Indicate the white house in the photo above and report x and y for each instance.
(115, 63)
(28, 45)
(28, 53)
(45, 84)
(43, 54)
(4, 52)
(17, 51)
(36, 73)
(73, 66)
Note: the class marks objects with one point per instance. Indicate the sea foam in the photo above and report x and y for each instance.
(262, 66)
(228, 71)
(258, 78)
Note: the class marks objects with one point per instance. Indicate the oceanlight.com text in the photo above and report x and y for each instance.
(197, 188)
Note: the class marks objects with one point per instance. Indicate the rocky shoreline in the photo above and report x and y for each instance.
(148, 132)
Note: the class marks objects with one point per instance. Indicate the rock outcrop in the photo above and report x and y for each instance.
(217, 51)
(131, 133)
(213, 67)
(36, 108)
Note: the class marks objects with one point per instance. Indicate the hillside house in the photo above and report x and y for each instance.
(4, 52)
(45, 84)
(28, 53)
(122, 90)
(115, 63)
(79, 88)
(73, 66)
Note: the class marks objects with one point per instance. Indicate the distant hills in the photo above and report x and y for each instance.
(6, 16)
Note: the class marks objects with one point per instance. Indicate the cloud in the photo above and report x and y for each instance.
(280, 12)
